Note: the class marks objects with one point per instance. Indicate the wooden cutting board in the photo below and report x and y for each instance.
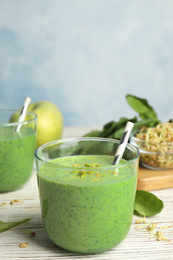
(154, 180)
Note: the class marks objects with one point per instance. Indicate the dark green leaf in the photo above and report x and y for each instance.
(94, 133)
(7, 225)
(148, 122)
(108, 129)
(141, 106)
(112, 127)
(147, 204)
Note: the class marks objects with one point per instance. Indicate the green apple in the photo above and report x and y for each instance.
(49, 121)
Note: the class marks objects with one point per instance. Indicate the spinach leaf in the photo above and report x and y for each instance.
(141, 106)
(147, 204)
(115, 130)
(147, 122)
(112, 127)
(7, 225)
(93, 133)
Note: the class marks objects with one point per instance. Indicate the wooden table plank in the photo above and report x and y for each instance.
(137, 244)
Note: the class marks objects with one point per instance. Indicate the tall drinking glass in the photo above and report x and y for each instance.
(16, 149)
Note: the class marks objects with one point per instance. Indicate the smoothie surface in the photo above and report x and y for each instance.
(83, 170)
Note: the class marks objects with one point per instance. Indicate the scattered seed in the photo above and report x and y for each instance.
(32, 232)
(3, 204)
(144, 227)
(23, 245)
(151, 227)
(164, 227)
(16, 201)
(160, 236)
(143, 220)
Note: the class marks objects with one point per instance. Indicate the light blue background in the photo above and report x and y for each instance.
(86, 55)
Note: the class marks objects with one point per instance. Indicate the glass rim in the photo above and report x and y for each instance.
(17, 123)
(130, 146)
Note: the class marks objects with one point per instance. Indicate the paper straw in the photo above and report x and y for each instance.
(23, 112)
(123, 142)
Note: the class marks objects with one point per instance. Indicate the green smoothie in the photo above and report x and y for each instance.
(16, 157)
(86, 206)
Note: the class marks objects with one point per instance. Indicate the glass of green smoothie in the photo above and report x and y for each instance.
(17, 149)
(87, 203)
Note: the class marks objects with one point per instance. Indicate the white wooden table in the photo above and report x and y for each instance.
(137, 245)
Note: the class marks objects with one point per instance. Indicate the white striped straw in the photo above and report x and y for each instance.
(123, 142)
(23, 112)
